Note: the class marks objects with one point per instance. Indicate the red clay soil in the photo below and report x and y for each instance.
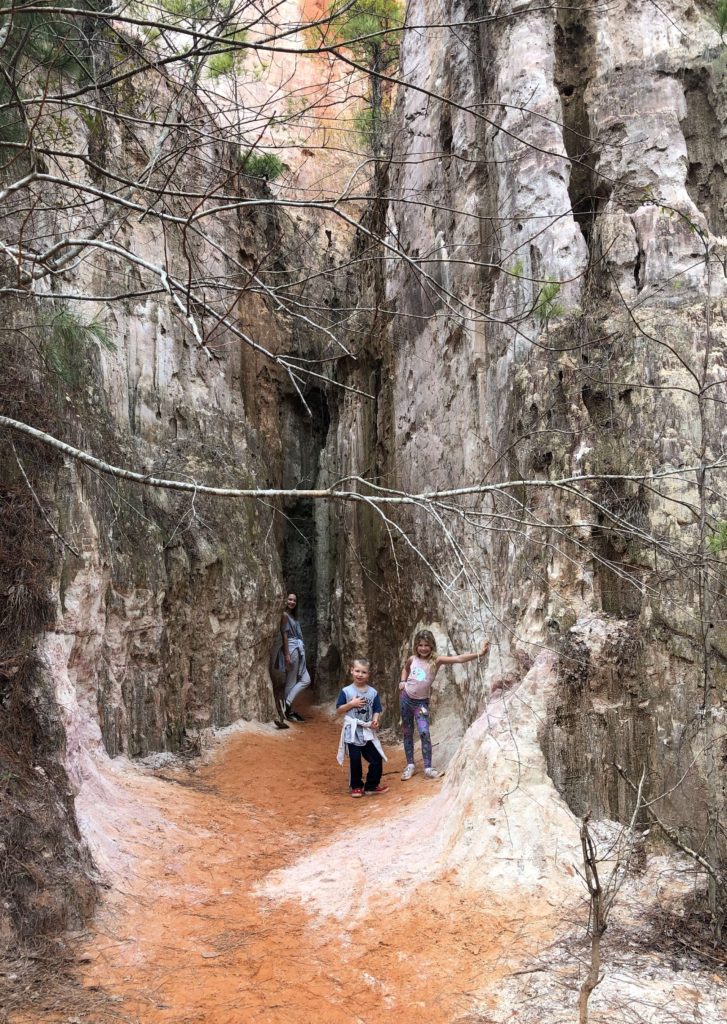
(189, 942)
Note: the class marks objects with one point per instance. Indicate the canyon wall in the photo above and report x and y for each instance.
(159, 608)
(558, 310)
(579, 147)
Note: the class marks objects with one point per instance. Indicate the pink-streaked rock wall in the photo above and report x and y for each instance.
(580, 147)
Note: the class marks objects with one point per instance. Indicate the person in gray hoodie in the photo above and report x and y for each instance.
(291, 658)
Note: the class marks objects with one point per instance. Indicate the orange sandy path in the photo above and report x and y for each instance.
(188, 942)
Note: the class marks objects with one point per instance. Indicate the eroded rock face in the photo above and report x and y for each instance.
(558, 312)
(166, 612)
(593, 161)
(163, 606)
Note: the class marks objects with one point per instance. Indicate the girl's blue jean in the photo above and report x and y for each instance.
(416, 711)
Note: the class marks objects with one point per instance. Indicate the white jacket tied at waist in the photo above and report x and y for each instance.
(348, 735)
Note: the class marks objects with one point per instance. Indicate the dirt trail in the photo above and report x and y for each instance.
(187, 940)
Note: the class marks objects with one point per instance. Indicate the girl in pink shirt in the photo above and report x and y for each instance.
(415, 688)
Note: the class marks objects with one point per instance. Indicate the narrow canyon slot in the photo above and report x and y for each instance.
(363, 512)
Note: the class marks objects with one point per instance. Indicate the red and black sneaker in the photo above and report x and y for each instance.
(375, 792)
(357, 792)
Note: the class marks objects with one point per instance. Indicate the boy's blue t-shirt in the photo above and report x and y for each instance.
(364, 714)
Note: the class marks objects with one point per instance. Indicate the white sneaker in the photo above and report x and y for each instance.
(408, 772)
(431, 773)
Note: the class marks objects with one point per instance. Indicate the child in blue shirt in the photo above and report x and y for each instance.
(361, 705)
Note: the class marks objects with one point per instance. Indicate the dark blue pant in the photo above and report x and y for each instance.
(376, 765)
(416, 711)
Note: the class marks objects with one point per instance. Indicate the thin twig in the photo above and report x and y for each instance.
(45, 515)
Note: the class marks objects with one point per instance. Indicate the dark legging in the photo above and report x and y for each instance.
(376, 765)
(416, 711)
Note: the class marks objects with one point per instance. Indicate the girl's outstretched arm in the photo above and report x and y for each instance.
(460, 659)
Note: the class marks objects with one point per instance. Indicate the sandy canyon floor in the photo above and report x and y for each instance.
(251, 888)
(189, 935)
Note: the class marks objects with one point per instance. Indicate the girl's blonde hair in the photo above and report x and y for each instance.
(428, 637)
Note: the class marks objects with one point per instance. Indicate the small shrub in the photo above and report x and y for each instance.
(220, 64)
(517, 269)
(721, 17)
(546, 305)
(68, 338)
(262, 165)
(717, 543)
(369, 125)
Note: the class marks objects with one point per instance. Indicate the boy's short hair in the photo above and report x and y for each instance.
(361, 661)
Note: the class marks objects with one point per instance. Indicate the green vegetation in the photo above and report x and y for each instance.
(68, 340)
(371, 31)
(221, 64)
(365, 126)
(190, 14)
(49, 40)
(55, 40)
(546, 305)
(717, 543)
(721, 12)
(227, 62)
(261, 165)
(213, 18)
(517, 269)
